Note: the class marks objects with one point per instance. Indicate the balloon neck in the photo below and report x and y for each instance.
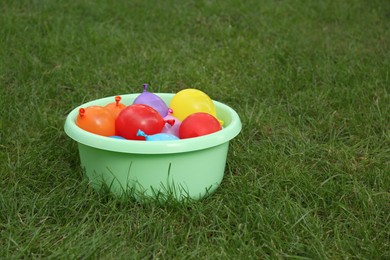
(170, 121)
(145, 87)
(82, 112)
(117, 100)
(141, 133)
(170, 111)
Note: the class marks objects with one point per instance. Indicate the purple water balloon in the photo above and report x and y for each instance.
(171, 129)
(152, 100)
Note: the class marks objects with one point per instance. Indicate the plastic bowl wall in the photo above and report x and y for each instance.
(181, 169)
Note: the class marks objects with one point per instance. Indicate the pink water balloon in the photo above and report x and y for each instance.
(171, 129)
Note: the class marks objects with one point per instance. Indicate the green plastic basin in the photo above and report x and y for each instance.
(181, 169)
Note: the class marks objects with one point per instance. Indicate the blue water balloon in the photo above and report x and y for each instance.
(118, 137)
(157, 137)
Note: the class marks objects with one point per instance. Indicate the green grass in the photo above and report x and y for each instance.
(308, 177)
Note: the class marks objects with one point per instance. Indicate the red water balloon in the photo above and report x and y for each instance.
(198, 124)
(97, 120)
(138, 117)
(115, 107)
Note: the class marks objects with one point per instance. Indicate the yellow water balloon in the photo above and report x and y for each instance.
(189, 101)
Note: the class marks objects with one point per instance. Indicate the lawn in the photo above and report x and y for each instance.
(308, 177)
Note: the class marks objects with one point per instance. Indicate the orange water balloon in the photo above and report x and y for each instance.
(96, 119)
(115, 107)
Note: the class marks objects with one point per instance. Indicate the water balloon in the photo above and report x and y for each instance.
(115, 107)
(189, 101)
(157, 137)
(152, 100)
(171, 129)
(97, 120)
(138, 116)
(118, 137)
(198, 124)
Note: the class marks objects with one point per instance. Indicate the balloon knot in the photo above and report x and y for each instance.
(141, 133)
(82, 112)
(170, 121)
(117, 100)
